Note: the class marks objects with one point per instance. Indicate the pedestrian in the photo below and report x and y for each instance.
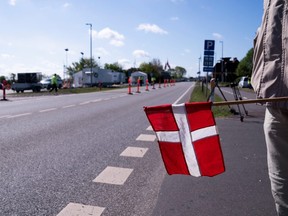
(54, 83)
(269, 80)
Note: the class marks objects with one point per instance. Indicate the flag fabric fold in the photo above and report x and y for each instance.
(188, 138)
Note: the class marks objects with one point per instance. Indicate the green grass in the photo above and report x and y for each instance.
(200, 96)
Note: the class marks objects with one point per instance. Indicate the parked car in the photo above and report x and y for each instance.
(46, 83)
(244, 82)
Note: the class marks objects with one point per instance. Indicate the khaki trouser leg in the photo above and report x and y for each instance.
(276, 135)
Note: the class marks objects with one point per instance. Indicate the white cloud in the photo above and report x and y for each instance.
(116, 39)
(117, 43)
(217, 36)
(6, 56)
(151, 28)
(125, 63)
(102, 52)
(12, 2)
(140, 53)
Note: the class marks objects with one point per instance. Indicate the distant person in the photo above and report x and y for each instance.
(269, 80)
(54, 83)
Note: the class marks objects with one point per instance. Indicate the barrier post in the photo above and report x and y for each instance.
(138, 85)
(147, 84)
(129, 86)
(159, 83)
(4, 83)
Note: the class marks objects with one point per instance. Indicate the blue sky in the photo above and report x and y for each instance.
(35, 33)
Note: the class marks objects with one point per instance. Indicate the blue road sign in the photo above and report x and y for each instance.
(209, 45)
(208, 61)
(208, 53)
(208, 69)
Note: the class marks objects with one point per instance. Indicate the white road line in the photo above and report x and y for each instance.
(134, 152)
(97, 100)
(68, 106)
(183, 94)
(48, 110)
(6, 116)
(75, 209)
(113, 175)
(149, 128)
(19, 115)
(146, 137)
(84, 103)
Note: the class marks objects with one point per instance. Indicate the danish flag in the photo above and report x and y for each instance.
(188, 138)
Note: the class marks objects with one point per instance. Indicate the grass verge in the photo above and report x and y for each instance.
(200, 96)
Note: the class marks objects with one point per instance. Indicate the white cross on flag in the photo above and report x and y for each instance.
(188, 138)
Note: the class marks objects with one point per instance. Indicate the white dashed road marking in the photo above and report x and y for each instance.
(113, 175)
(68, 106)
(47, 110)
(146, 137)
(75, 209)
(150, 128)
(134, 152)
(19, 115)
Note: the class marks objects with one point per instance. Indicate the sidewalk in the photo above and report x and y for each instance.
(244, 188)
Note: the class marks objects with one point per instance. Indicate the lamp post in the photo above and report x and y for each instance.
(66, 50)
(90, 24)
(222, 62)
(82, 54)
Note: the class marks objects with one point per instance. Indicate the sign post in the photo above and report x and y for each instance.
(208, 61)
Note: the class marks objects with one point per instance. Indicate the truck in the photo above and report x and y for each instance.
(27, 81)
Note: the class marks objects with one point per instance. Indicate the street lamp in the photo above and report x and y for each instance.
(90, 50)
(222, 62)
(82, 54)
(66, 50)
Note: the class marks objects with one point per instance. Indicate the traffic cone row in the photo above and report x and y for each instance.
(166, 83)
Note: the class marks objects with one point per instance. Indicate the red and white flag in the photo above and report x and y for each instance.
(188, 138)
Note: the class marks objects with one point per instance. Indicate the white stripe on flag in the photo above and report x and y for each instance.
(186, 140)
(204, 132)
(168, 136)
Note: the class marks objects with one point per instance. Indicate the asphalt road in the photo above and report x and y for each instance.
(53, 150)
(54, 147)
(244, 188)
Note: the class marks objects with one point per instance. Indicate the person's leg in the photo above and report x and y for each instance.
(276, 135)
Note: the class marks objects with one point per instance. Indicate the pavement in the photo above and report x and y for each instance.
(242, 190)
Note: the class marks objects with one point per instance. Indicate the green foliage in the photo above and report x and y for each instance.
(115, 67)
(246, 64)
(153, 68)
(180, 72)
(83, 63)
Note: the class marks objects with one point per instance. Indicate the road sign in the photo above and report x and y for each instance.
(208, 69)
(209, 45)
(208, 53)
(208, 61)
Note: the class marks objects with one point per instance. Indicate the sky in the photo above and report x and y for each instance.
(35, 34)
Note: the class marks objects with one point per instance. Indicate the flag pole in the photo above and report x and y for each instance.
(262, 100)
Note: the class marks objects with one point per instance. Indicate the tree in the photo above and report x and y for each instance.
(153, 68)
(83, 63)
(115, 67)
(180, 72)
(246, 64)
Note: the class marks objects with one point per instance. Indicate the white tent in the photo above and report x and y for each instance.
(136, 75)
